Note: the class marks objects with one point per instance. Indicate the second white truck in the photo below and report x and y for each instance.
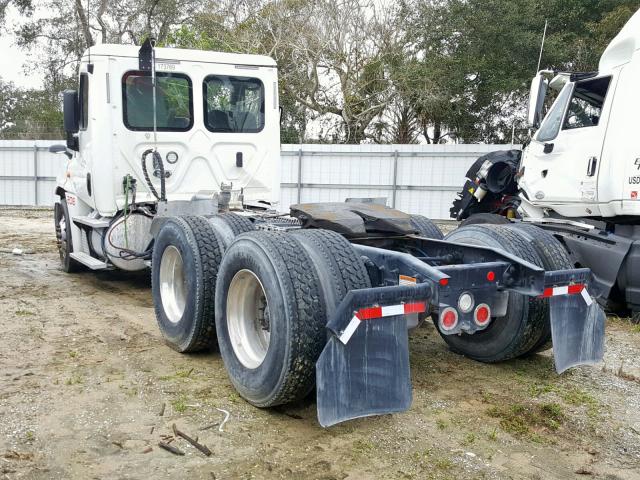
(579, 176)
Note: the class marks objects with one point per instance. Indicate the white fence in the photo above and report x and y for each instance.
(414, 178)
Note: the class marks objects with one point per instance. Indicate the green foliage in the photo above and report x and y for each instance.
(528, 419)
(468, 63)
(27, 114)
(403, 72)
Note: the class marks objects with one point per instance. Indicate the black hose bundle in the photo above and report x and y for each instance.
(158, 166)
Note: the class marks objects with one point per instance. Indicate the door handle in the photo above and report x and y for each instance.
(591, 167)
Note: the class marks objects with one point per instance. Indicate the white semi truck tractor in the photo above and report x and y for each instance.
(578, 179)
(174, 165)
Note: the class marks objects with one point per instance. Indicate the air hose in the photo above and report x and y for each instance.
(158, 166)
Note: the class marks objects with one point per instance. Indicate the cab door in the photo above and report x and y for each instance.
(562, 162)
(81, 167)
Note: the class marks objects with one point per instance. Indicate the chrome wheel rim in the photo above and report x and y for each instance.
(173, 289)
(248, 319)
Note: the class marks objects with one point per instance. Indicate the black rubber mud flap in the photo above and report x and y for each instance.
(367, 376)
(577, 330)
(577, 321)
(364, 367)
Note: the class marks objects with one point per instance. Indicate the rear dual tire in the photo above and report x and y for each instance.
(302, 276)
(186, 258)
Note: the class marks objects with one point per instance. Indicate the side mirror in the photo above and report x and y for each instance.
(71, 111)
(71, 117)
(536, 100)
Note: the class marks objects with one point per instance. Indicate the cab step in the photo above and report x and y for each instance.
(89, 261)
(92, 222)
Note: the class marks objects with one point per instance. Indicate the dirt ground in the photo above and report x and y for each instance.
(84, 376)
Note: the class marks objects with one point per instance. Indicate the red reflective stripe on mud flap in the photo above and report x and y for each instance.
(372, 313)
(415, 308)
(369, 313)
(565, 290)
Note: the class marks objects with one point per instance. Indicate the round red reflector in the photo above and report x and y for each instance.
(491, 276)
(482, 314)
(444, 282)
(449, 319)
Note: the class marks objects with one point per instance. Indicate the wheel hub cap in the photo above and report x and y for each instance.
(173, 289)
(248, 319)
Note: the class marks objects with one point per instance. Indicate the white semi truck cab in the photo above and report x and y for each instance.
(584, 159)
(579, 176)
(174, 166)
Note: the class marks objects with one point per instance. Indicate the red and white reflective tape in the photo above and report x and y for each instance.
(372, 313)
(568, 290)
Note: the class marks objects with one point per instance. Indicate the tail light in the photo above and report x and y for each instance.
(448, 319)
(482, 315)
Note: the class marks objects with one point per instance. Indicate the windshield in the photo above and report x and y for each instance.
(552, 122)
(233, 104)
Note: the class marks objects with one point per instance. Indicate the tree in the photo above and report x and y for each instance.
(468, 63)
(28, 114)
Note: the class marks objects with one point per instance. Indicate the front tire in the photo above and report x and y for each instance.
(62, 224)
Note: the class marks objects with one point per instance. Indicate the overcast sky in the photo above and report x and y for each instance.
(13, 59)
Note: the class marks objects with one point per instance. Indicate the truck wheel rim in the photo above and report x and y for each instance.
(248, 319)
(172, 284)
(61, 233)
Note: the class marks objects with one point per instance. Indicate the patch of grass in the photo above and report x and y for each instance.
(469, 439)
(361, 446)
(493, 435)
(441, 424)
(443, 463)
(24, 313)
(537, 389)
(30, 436)
(75, 379)
(527, 419)
(180, 374)
(179, 405)
(73, 354)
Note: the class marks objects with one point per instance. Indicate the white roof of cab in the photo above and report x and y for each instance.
(183, 54)
(623, 46)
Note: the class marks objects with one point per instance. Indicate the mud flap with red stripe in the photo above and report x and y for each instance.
(364, 367)
(577, 321)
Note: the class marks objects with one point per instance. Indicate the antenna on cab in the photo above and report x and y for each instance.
(544, 36)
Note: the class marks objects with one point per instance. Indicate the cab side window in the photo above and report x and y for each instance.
(84, 101)
(585, 106)
(551, 124)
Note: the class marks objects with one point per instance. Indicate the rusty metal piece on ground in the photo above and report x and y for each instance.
(203, 448)
(170, 448)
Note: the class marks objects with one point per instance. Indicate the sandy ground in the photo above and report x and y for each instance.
(84, 377)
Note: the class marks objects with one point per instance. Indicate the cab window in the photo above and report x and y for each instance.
(585, 106)
(84, 101)
(233, 104)
(552, 122)
(174, 101)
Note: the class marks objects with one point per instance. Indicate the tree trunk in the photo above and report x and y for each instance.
(84, 23)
